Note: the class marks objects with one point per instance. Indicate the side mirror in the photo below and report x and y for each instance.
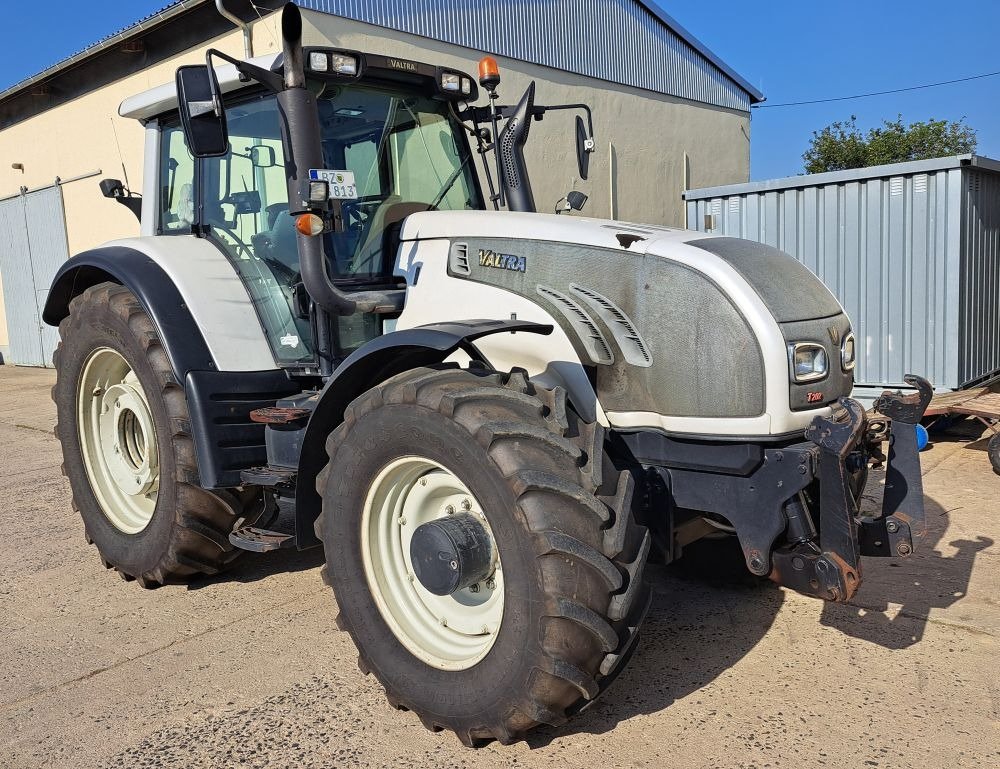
(113, 188)
(574, 201)
(262, 156)
(584, 146)
(202, 117)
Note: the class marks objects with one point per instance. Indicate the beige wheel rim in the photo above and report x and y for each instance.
(451, 632)
(118, 440)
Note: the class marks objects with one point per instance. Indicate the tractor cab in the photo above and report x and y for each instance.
(391, 145)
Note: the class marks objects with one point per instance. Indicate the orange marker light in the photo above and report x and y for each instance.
(309, 224)
(489, 73)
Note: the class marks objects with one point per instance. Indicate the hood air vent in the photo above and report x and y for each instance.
(590, 336)
(458, 259)
(634, 349)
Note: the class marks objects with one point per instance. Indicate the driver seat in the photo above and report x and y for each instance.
(382, 236)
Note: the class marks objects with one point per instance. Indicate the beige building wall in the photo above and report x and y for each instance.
(636, 174)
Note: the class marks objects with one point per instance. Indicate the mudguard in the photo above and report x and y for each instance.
(219, 402)
(182, 340)
(372, 364)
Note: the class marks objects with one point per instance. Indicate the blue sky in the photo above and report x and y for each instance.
(790, 49)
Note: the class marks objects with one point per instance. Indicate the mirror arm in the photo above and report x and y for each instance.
(270, 80)
(538, 112)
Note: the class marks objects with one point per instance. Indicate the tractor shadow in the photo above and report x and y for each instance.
(253, 567)
(707, 613)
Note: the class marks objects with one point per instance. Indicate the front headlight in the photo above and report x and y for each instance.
(807, 361)
(848, 353)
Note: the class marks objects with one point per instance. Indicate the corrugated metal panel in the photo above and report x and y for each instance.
(620, 41)
(49, 250)
(32, 247)
(18, 287)
(913, 255)
(980, 295)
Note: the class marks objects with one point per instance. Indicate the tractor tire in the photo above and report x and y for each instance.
(122, 419)
(569, 577)
(993, 450)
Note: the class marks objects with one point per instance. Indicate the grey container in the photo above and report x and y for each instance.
(912, 251)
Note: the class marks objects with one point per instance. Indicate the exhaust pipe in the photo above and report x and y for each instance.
(510, 148)
(247, 33)
(302, 137)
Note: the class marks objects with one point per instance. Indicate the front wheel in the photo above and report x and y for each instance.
(486, 581)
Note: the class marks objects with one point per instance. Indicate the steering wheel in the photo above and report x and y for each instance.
(358, 212)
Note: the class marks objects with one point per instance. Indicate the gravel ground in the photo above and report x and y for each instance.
(248, 670)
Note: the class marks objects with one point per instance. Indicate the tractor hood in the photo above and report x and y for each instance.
(674, 323)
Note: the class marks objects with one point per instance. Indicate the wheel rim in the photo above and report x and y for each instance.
(118, 440)
(451, 632)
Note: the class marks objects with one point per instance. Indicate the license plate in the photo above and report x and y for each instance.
(342, 184)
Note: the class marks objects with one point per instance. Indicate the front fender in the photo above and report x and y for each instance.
(367, 367)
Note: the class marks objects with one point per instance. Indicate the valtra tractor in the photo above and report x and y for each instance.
(489, 419)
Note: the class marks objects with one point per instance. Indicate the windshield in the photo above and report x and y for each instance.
(406, 154)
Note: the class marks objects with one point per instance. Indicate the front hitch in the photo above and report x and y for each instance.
(903, 518)
(831, 569)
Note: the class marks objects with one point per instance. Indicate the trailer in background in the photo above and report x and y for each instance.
(912, 251)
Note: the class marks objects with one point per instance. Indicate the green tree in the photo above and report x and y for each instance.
(842, 145)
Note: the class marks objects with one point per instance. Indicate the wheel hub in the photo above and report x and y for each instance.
(447, 616)
(451, 554)
(118, 440)
(126, 427)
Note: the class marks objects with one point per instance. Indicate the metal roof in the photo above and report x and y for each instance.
(629, 42)
(850, 175)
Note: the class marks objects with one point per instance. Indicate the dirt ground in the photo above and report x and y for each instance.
(248, 669)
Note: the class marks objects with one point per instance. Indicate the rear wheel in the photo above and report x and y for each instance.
(482, 550)
(123, 424)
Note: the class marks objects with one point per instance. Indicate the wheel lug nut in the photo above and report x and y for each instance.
(491, 584)
(474, 588)
(486, 629)
(453, 565)
(423, 481)
(401, 521)
(443, 621)
(97, 392)
(466, 504)
(450, 509)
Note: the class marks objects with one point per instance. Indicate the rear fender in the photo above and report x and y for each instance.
(182, 340)
(223, 441)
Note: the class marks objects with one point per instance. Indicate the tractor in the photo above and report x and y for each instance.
(490, 418)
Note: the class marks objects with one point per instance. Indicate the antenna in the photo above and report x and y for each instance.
(114, 131)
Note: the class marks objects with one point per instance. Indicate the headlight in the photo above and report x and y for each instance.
(807, 361)
(319, 62)
(847, 353)
(450, 81)
(344, 64)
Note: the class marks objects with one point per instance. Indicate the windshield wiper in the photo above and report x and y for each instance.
(449, 183)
